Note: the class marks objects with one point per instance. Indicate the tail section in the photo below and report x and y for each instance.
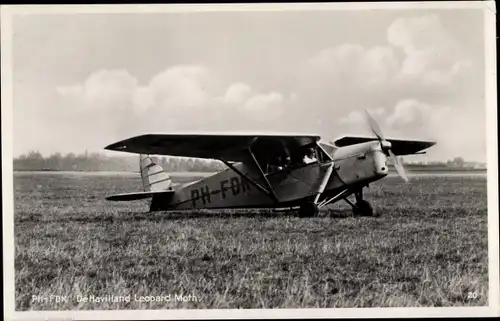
(153, 176)
(155, 183)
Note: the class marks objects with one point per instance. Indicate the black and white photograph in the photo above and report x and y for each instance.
(250, 160)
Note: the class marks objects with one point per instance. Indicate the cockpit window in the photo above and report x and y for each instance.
(307, 155)
(283, 159)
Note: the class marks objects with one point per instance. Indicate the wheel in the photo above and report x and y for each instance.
(308, 210)
(364, 208)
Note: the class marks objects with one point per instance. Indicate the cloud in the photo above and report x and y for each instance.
(417, 115)
(237, 93)
(107, 86)
(358, 117)
(421, 62)
(264, 101)
(103, 90)
(417, 33)
(180, 98)
(143, 98)
(354, 117)
(409, 112)
(353, 65)
(431, 53)
(181, 87)
(431, 61)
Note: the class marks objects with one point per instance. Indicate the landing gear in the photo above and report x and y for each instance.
(362, 207)
(359, 208)
(308, 210)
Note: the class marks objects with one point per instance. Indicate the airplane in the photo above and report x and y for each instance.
(268, 171)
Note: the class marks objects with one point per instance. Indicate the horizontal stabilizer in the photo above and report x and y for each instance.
(137, 195)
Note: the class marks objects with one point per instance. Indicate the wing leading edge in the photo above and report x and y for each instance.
(399, 146)
(228, 147)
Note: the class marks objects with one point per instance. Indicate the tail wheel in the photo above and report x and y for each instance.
(308, 210)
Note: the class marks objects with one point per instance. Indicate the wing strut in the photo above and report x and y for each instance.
(324, 181)
(342, 195)
(271, 191)
(268, 191)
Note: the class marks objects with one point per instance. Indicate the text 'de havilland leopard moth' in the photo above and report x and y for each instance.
(268, 171)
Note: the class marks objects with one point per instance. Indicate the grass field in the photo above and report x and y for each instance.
(429, 248)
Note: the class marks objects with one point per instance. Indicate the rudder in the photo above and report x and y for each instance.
(154, 178)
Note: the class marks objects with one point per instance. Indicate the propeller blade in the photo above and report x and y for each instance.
(399, 167)
(386, 145)
(374, 126)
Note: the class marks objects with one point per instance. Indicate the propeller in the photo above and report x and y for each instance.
(386, 146)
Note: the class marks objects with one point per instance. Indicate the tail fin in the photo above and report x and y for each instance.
(153, 176)
(154, 180)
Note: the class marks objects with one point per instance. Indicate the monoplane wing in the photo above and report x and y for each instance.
(230, 147)
(399, 146)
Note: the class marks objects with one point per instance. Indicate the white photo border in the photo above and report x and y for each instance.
(7, 12)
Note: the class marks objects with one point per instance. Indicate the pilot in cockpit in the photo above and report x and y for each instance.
(275, 165)
(310, 156)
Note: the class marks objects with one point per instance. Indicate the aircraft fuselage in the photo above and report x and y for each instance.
(354, 165)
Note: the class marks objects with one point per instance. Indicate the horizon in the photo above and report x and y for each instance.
(408, 159)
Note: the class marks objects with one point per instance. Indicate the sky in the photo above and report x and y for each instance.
(84, 81)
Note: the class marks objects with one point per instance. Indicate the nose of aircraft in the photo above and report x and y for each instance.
(380, 162)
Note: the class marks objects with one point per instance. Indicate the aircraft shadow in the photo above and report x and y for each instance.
(124, 216)
(189, 215)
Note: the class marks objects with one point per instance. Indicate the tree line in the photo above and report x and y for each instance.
(35, 161)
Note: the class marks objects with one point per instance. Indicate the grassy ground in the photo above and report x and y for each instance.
(429, 248)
